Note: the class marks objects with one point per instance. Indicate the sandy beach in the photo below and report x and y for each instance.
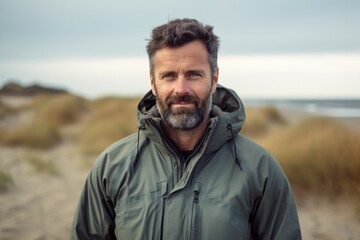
(40, 205)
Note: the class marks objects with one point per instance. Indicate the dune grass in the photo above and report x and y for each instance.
(33, 135)
(42, 165)
(259, 121)
(111, 119)
(319, 155)
(43, 130)
(60, 109)
(5, 181)
(5, 109)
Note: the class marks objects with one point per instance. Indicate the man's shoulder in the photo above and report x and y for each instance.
(118, 153)
(125, 143)
(255, 155)
(249, 146)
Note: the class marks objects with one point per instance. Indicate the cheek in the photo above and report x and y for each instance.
(203, 91)
(163, 89)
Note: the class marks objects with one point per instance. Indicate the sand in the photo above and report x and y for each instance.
(40, 205)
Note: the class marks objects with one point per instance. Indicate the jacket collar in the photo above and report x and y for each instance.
(228, 110)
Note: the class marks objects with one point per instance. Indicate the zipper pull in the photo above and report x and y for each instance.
(196, 192)
(196, 196)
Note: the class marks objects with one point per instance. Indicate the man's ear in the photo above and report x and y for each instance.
(152, 82)
(216, 77)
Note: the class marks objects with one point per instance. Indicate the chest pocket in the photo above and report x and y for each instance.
(220, 217)
(140, 216)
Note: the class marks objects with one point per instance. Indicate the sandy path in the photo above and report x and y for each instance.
(40, 205)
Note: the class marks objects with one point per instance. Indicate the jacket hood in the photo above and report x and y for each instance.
(226, 117)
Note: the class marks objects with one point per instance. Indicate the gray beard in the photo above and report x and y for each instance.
(185, 119)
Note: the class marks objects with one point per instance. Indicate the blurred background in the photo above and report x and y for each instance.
(72, 73)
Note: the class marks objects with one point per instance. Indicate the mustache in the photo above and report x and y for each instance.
(183, 98)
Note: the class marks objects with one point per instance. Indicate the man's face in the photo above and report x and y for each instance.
(182, 84)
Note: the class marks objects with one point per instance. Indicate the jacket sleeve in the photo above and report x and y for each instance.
(94, 216)
(274, 215)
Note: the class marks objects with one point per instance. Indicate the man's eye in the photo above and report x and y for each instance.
(167, 76)
(194, 75)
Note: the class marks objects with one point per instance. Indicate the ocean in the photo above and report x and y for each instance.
(340, 108)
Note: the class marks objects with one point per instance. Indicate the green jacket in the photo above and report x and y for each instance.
(141, 187)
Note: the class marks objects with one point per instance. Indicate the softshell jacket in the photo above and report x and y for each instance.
(141, 187)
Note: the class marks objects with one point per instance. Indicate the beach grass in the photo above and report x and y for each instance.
(43, 129)
(260, 120)
(5, 109)
(33, 135)
(6, 181)
(111, 119)
(60, 109)
(319, 155)
(42, 165)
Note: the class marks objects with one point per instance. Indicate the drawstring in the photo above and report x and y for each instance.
(237, 160)
(142, 127)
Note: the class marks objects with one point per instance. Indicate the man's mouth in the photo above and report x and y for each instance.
(183, 103)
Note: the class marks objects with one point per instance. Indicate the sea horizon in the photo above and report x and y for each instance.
(329, 107)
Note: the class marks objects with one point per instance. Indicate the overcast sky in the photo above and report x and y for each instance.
(285, 44)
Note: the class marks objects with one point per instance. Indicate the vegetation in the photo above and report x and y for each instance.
(259, 121)
(42, 165)
(33, 135)
(5, 181)
(60, 109)
(111, 119)
(4, 109)
(42, 131)
(319, 155)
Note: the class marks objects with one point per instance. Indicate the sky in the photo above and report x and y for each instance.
(269, 49)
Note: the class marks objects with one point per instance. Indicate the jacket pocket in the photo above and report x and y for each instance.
(140, 216)
(195, 227)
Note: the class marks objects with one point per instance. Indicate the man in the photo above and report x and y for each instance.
(187, 173)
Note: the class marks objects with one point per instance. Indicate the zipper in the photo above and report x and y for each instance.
(180, 162)
(170, 146)
(194, 216)
(162, 208)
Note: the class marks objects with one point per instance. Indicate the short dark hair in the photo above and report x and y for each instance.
(179, 32)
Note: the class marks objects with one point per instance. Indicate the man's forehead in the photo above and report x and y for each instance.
(193, 54)
(194, 48)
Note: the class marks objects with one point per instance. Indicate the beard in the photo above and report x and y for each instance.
(184, 118)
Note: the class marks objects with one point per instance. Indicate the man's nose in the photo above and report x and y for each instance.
(182, 86)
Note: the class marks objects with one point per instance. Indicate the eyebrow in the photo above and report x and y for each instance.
(189, 71)
(196, 71)
(166, 72)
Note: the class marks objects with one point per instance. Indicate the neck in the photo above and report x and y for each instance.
(186, 140)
